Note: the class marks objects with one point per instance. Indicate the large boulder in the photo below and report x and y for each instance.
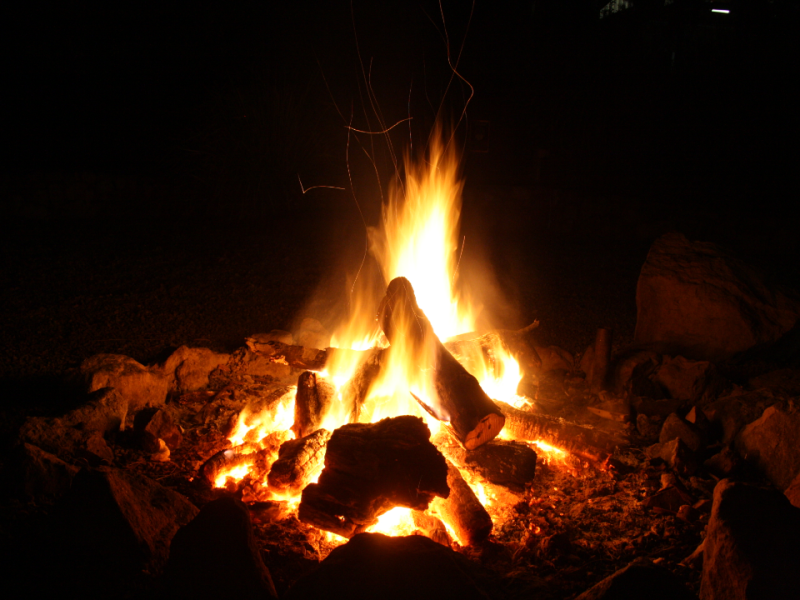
(216, 556)
(372, 565)
(751, 548)
(772, 442)
(139, 385)
(639, 580)
(686, 379)
(698, 300)
(728, 414)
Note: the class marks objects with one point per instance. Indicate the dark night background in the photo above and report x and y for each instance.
(150, 186)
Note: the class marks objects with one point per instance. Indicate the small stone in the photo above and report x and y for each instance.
(675, 427)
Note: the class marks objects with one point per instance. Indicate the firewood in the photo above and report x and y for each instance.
(503, 462)
(462, 510)
(472, 347)
(355, 391)
(227, 459)
(590, 444)
(370, 468)
(602, 356)
(298, 461)
(471, 414)
(312, 402)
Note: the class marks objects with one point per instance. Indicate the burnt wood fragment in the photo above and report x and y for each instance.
(312, 402)
(462, 510)
(298, 461)
(506, 463)
(370, 468)
(470, 413)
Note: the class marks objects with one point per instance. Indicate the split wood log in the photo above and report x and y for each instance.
(590, 444)
(473, 350)
(314, 398)
(298, 462)
(602, 357)
(503, 462)
(471, 414)
(370, 468)
(462, 510)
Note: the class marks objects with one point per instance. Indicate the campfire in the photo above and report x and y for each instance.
(409, 420)
(418, 422)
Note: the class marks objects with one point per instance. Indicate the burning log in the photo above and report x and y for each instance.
(462, 510)
(590, 444)
(298, 461)
(355, 391)
(472, 415)
(226, 460)
(471, 347)
(370, 468)
(506, 463)
(313, 400)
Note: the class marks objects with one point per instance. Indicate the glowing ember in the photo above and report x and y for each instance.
(236, 473)
(395, 522)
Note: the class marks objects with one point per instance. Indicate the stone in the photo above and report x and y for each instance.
(793, 491)
(690, 434)
(80, 433)
(779, 380)
(188, 368)
(154, 424)
(312, 334)
(728, 414)
(724, 463)
(260, 341)
(646, 428)
(119, 520)
(639, 580)
(216, 556)
(140, 386)
(698, 300)
(686, 379)
(772, 442)
(247, 365)
(372, 565)
(750, 550)
(677, 455)
(669, 500)
(587, 363)
(555, 358)
(38, 475)
(631, 374)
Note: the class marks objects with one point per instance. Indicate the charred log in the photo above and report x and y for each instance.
(590, 444)
(472, 415)
(226, 460)
(370, 468)
(462, 510)
(298, 461)
(506, 463)
(313, 400)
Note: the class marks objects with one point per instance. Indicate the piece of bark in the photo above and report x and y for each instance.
(462, 510)
(370, 468)
(298, 461)
(314, 398)
(471, 414)
(593, 445)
